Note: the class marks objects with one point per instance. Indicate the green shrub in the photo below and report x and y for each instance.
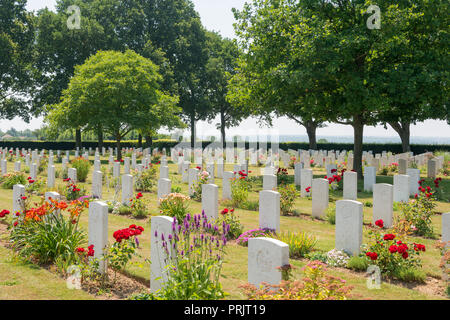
(138, 207)
(82, 165)
(368, 204)
(391, 253)
(146, 180)
(416, 214)
(202, 179)
(410, 275)
(357, 263)
(239, 192)
(47, 235)
(10, 179)
(227, 217)
(299, 243)
(288, 194)
(174, 205)
(251, 205)
(331, 214)
(317, 255)
(316, 284)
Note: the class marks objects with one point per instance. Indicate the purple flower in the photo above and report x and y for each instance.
(137, 241)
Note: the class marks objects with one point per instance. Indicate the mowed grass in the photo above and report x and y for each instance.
(235, 266)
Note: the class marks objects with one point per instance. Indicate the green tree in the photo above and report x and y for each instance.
(222, 63)
(416, 63)
(119, 90)
(269, 79)
(16, 39)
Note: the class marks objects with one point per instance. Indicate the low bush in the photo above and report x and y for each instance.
(316, 284)
(395, 257)
(228, 219)
(49, 232)
(146, 180)
(10, 179)
(174, 205)
(299, 243)
(358, 263)
(331, 214)
(288, 194)
(82, 165)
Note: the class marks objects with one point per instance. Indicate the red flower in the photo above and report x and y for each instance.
(3, 213)
(16, 223)
(402, 248)
(379, 223)
(372, 255)
(389, 236)
(405, 255)
(24, 198)
(393, 248)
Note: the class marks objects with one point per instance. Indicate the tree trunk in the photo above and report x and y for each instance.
(78, 138)
(148, 141)
(193, 130)
(119, 149)
(403, 130)
(358, 129)
(222, 127)
(311, 127)
(140, 141)
(100, 137)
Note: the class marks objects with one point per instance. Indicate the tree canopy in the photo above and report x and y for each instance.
(120, 91)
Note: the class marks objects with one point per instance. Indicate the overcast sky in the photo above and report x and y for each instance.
(216, 15)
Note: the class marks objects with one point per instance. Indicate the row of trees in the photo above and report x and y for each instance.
(194, 64)
(313, 61)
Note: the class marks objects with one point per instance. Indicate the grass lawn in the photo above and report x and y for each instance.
(26, 281)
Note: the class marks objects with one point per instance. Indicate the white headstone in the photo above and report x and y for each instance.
(369, 178)
(18, 193)
(401, 188)
(72, 174)
(269, 182)
(164, 187)
(226, 184)
(127, 188)
(265, 255)
(305, 181)
(210, 200)
(446, 227)
(349, 225)
(350, 185)
(320, 195)
(97, 184)
(51, 177)
(414, 178)
(383, 201)
(160, 226)
(269, 210)
(98, 231)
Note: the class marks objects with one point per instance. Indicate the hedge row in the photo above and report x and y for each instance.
(375, 147)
